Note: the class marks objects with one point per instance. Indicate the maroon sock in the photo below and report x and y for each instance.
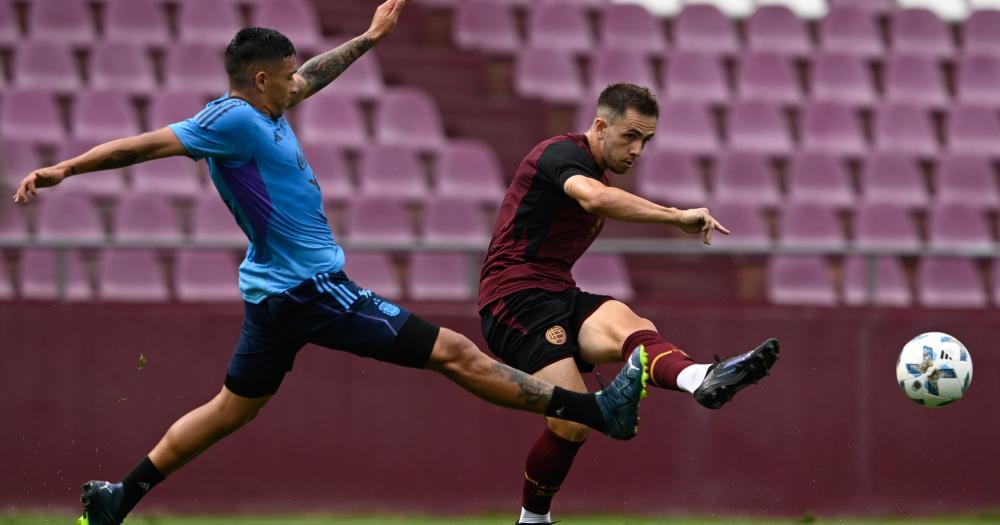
(546, 468)
(665, 359)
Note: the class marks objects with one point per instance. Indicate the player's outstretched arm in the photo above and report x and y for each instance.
(322, 69)
(621, 205)
(115, 154)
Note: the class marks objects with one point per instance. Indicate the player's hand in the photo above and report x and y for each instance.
(41, 178)
(698, 220)
(385, 19)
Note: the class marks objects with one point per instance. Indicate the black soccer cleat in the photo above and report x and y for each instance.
(102, 503)
(727, 377)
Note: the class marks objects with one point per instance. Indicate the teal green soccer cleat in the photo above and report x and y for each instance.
(619, 401)
(102, 503)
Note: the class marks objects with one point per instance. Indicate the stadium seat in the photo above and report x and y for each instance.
(211, 221)
(981, 33)
(64, 216)
(893, 178)
(146, 217)
(378, 220)
(40, 275)
(211, 24)
(548, 74)
(392, 172)
(409, 117)
(744, 220)
(469, 169)
(946, 9)
(121, 66)
(374, 271)
(973, 129)
(296, 19)
(130, 276)
(13, 223)
(891, 287)
(17, 160)
(437, 276)
(454, 220)
(810, 224)
(168, 107)
(904, 129)
(136, 22)
(196, 67)
(604, 274)
(879, 7)
(695, 76)
(745, 177)
(685, 127)
(206, 276)
(799, 280)
(104, 184)
(808, 9)
(632, 27)
(819, 178)
(843, 78)
(333, 120)
(610, 66)
(63, 21)
(100, 116)
(967, 179)
(560, 25)
(362, 80)
(176, 177)
(768, 77)
(949, 282)
(30, 115)
(957, 225)
(834, 128)
(759, 127)
(330, 171)
(670, 178)
(920, 32)
(702, 27)
(885, 226)
(851, 30)
(46, 65)
(915, 80)
(776, 29)
(10, 35)
(487, 26)
(978, 80)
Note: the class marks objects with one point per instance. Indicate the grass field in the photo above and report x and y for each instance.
(55, 519)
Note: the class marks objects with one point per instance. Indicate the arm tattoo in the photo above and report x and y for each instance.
(533, 391)
(322, 69)
(119, 159)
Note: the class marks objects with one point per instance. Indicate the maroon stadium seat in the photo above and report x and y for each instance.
(296, 19)
(744, 220)
(206, 276)
(146, 217)
(684, 126)
(981, 33)
(393, 172)
(810, 224)
(904, 129)
(548, 74)
(973, 129)
(695, 76)
(40, 274)
(978, 80)
(746, 177)
(893, 178)
(776, 29)
(768, 77)
(196, 67)
(211, 221)
(559, 25)
(670, 178)
(374, 271)
(632, 27)
(819, 178)
(66, 216)
(46, 65)
(100, 116)
(66, 21)
(486, 25)
(852, 30)
(378, 220)
(330, 171)
(967, 179)
(30, 115)
(702, 27)
(915, 80)
(891, 287)
(605, 274)
(884, 226)
(136, 22)
(121, 66)
(104, 184)
(799, 280)
(841, 77)
(176, 177)
(469, 169)
(130, 276)
(454, 220)
(409, 117)
(759, 127)
(440, 276)
(332, 120)
(949, 282)
(919, 31)
(957, 225)
(610, 66)
(212, 24)
(832, 127)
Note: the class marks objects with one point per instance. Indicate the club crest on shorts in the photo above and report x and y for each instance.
(556, 335)
(388, 309)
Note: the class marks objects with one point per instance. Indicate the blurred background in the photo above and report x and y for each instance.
(850, 145)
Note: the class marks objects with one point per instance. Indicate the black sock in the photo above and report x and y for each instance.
(575, 406)
(138, 482)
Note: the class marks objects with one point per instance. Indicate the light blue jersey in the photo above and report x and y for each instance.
(263, 177)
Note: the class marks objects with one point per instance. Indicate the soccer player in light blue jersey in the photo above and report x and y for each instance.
(294, 289)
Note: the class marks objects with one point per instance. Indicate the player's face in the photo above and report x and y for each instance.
(624, 139)
(281, 86)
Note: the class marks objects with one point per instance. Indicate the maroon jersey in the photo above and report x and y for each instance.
(541, 231)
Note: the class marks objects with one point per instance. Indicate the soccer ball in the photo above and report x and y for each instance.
(934, 369)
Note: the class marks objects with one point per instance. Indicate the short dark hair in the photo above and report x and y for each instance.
(253, 45)
(620, 97)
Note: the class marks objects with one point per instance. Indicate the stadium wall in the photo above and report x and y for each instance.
(828, 433)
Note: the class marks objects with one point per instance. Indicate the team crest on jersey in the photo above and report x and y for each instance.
(301, 160)
(556, 335)
(388, 309)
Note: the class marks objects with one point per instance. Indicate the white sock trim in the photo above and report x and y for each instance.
(530, 517)
(691, 377)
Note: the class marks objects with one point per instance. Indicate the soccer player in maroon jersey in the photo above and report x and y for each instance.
(535, 318)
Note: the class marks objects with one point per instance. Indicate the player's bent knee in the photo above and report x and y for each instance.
(568, 430)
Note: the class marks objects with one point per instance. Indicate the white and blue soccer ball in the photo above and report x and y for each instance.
(934, 369)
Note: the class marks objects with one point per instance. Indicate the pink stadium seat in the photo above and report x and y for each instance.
(130, 276)
(30, 115)
(469, 169)
(759, 127)
(453, 220)
(834, 128)
(978, 80)
(168, 107)
(13, 222)
(46, 65)
(949, 282)
(768, 77)
(146, 217)
(137, 22)
(891, 287)
(362, 80)
(100, 116)
(212, 24)
(745, 177)
(66, 216)
(559, 25)
(393, 172)
(744, 220)
(919, 31)
(9, 32)
(967, 179)
(330, 171)
(904, 129)
(915, 80)
(695, 76)
(374, 271)
(670, 178)
(610, 66)
(893, 178)
(378, 220)
(17, 160)
(486, 25)
(440, 276)
(776, 29)
(296, 19)
(843, 78)
(548, 74)
(820, 178)
(957, 225)
(685, 127)
(981, 33)
(333, 120)
(702, 27)
(211, 221)
(176, 177)
(409, 117)
(66, 21)
(799, 280)
(973, 129)
(810, 224)
(196, 67)
(104, 184)
(121, 66)
(605, 274)
(39, 278)
(206, 276)
(885, 226)
(630, 26)
(852, 30)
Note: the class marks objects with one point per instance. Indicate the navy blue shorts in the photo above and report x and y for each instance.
(331, 311)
